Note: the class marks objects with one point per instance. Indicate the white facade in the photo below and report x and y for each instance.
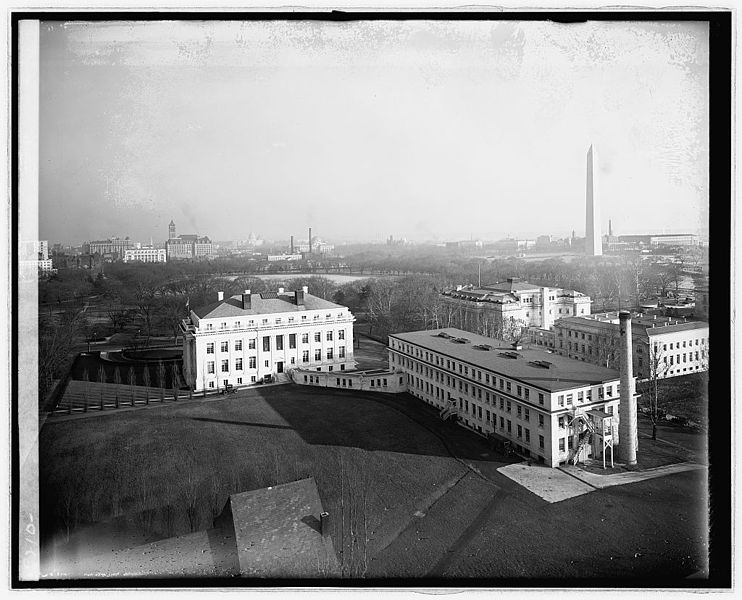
(240, 340)
(146, 254)
(528, 400)
(668, 346)
(488, 310)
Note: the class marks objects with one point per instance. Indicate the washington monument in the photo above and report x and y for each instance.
(593, 242)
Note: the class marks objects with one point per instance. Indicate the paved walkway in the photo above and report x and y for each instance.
(599, 481)
(550, 484)
(555, 485)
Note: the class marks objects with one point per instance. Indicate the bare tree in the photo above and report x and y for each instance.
(650, 385)
(117, 382)
(132, 383)
(101, 380)
(147, 383)
(175, 376)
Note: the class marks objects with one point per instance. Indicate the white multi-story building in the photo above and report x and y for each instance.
(146, 254)
(665, 346)
(239, 340)
(489, 309)
(528, 398)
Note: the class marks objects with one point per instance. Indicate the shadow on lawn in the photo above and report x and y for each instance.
(374, 421)
(248, 424)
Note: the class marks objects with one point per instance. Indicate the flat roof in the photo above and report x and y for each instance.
(562, 373)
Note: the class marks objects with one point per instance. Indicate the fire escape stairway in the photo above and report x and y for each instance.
(451, 409)
(589, 431)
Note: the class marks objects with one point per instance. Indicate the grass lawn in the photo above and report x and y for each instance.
(685, 396)
(401, 504)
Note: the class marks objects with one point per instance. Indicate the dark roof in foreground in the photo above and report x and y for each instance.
(277, 531)
(562, 373)
(262, 304)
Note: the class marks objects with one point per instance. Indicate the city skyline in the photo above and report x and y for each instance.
(441, 128)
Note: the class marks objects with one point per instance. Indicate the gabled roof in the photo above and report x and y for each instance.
(232, 307)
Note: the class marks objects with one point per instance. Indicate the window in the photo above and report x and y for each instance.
(527, 414)
(252, 378)
(210, 366)
(502, 403)
(561, 444)
(569, 399)
(561, 422)
(520, 431)
(541, 441)
(507, 387)
(253, 362)
(508, 405)
(541, 420)
(211, 384)
(528, 394)
(561, 400)
(239, 381)
(251, 344)
(223, 326)
(341, 352)
(329, 336)
(502, 423)
(528, 435)
(520, 411)
(329, 353)
(305, 356)
(541, 399)
(225, 347)
(341, 334)
(292, 340)
(265, 321)
(520, 390)
(266, 344)
(238, 344)
(304, 338)
(279, 342)
(479, 411)
(509, 426)
(318, 355)
(317, 336)
(209, 327)
(225, 366)
(267, 363)
(238, 364)
(210, 348)
(488, 416)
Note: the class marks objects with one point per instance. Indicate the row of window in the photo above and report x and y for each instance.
(224, 345)
(266, 321)
(252, 364)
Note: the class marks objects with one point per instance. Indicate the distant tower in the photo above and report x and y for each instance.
(593, 243)
(171, 231)
(310, 240)
(610, 229)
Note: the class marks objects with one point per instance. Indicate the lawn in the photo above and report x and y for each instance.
(685, 397)
(401, 504)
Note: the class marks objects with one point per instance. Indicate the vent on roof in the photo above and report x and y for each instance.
(542, 364)
(268, 295)
(509, 354)
(460, 340)
(443, 334)
(483, 347)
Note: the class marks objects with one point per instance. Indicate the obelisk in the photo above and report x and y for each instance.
(593, 241)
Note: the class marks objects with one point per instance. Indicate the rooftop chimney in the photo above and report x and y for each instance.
(246, 300)
(628, 441)
(220, 296)
(305, 289)
(299, 297)
(280, 290)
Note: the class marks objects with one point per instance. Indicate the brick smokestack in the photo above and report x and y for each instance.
(628, 441)
(246, 300)
(310, 240)
(220, 296)
(292, 244)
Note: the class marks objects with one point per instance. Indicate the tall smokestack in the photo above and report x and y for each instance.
(628, 441)
(310, 240)
(610, 228)
(292, 244)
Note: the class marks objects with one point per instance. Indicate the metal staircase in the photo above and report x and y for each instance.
(585, 442)
(451, 410)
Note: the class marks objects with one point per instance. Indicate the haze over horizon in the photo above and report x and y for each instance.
(419, 129)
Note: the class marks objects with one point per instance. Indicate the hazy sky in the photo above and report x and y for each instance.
(418, 129)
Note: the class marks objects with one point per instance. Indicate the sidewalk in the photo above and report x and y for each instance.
(603, 481)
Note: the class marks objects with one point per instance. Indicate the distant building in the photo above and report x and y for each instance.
(316, 247)
(491, 309)
(671, 346)
(114, 247)
(283, 257)
(662, 239)
(34, 258)
(543, 240)
(528, 399)
(512, 245)
(240, 340)
(702, 302)
(189, 246)
(463, 244)
(146, 254)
